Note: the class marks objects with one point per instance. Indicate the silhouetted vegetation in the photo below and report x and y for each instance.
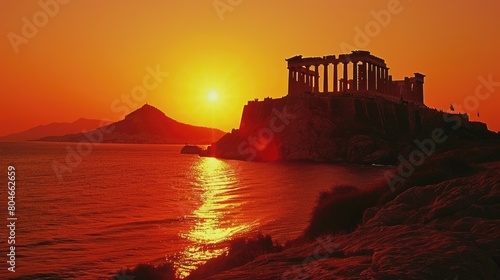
(241, 251)
(149, 272)
(341, 209)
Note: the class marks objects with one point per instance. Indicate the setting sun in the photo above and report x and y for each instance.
(213, 96)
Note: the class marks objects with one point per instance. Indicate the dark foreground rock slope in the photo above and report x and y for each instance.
(449, 230)
(145, 125)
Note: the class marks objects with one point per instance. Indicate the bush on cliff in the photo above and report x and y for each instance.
(148, 272)
(241, 251)
(341, 209)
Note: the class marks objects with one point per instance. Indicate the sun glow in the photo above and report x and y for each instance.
(213, 96)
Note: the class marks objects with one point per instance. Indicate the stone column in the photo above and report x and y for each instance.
(316, 78)
(344, 84)
(309, 79)
(387, 84)
(362, 76)
(379, 79)
(368, 76)
(302, 80)
(325, 77)
(355, 75)
(304, 75)
(371, 80)
(335, 78)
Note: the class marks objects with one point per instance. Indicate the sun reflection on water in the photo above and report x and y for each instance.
(212, 224)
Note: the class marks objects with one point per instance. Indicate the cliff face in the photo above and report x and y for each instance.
(330, 128)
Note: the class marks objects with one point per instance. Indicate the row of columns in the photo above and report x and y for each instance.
(365, 76)
(303, 80)
(369, 76)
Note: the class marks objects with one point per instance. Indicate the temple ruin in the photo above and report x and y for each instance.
(367, 75)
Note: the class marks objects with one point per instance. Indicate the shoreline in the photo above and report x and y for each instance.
(441, 223)
(393, 239)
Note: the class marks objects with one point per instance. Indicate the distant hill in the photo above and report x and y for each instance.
(53, 129)
(146, 125)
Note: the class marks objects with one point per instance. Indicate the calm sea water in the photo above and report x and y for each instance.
(128, 204)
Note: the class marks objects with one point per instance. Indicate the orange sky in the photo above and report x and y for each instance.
(87, 55)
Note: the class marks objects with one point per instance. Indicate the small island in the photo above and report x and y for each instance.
(191, 149)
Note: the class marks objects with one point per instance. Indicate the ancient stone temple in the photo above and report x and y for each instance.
(360, 73)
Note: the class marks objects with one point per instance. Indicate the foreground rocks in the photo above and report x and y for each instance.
(449, 230)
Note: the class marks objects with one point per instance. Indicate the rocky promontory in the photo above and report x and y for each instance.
(339, 128)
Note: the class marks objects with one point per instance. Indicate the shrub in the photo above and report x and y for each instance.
(341, 209)
(241, 251)
(150, 272)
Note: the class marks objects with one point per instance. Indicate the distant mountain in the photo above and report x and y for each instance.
(53, 129)
(146, 125)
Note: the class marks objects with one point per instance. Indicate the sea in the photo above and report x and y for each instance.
(85, 212)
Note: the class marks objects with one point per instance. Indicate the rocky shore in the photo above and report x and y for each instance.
(440, 222)
(449, 230)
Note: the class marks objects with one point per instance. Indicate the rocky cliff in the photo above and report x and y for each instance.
(345, 128)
